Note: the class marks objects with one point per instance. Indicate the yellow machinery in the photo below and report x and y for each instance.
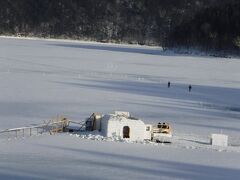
(162, 132)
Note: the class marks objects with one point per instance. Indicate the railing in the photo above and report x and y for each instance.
(53, 126)
(22, 132)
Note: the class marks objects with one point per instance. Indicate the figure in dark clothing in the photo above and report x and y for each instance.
(189, 88)
(169, 84)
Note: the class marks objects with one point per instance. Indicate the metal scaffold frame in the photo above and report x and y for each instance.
(53, 126)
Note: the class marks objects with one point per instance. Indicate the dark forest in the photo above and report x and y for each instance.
(202, 24)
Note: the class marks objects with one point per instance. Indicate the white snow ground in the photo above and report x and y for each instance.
(40, 79)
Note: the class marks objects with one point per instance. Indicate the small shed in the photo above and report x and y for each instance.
(122, 125)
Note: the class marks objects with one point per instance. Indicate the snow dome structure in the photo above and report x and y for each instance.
(123, 126)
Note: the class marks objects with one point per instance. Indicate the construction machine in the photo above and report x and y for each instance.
(162, 132)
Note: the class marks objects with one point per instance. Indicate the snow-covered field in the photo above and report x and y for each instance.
(40, 79)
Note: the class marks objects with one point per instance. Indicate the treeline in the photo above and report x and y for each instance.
(203, 24)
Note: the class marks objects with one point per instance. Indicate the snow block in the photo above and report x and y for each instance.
(122, 113)
(219, 140)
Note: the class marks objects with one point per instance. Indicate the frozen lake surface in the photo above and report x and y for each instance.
(41, 79)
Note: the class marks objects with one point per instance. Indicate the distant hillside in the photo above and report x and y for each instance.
(202, 24)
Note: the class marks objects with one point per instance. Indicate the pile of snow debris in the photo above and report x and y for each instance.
(182, 141)
(98, 137)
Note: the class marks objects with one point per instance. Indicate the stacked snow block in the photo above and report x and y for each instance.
(219, 140)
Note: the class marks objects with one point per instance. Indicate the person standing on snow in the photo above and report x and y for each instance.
(189, 88)
(169, 84)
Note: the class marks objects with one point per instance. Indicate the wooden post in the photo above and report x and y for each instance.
(30, 131)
